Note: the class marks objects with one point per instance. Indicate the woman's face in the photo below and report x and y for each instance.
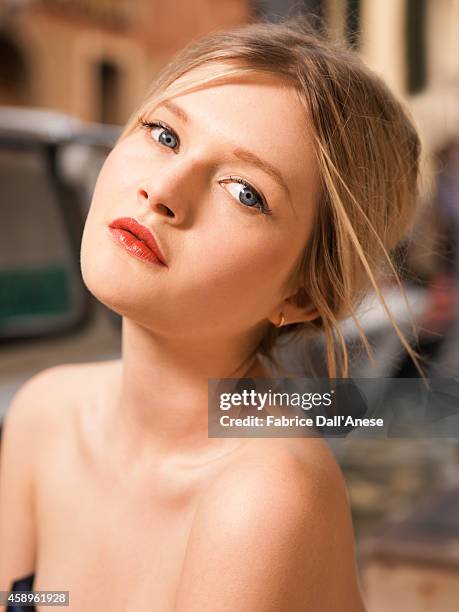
(229, 263)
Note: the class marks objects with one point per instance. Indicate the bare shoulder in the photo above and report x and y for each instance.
(277, 522)
(35, 398)
(42, 391)
(27, 425)
(287, 474)
(46, 400)
(300, 480)
(37, 427)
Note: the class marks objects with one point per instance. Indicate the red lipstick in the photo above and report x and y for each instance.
(136, 239)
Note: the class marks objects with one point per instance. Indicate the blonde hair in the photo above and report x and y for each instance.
(367, 153)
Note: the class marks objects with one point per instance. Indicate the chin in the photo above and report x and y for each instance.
(114, 281)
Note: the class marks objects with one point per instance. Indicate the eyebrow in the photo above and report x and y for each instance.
(240, 153)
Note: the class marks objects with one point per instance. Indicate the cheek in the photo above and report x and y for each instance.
(112, 183)
(98, 258)
(246, 267)
(111, 195)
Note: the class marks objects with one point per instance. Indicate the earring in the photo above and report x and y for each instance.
(282, 320)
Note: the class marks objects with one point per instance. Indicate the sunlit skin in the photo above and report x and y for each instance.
(135, 507)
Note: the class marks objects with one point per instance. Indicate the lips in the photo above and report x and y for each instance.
(137, 239)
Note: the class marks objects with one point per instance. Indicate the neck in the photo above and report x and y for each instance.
(162, 393)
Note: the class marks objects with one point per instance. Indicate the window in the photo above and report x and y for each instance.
(275, 8)
(13, 74)
(109, 93)
(40, 287)
(415, 32)
(353, 23)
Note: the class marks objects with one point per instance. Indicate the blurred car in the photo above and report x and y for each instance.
(48, 166)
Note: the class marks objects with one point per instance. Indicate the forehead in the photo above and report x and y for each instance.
(258, 111)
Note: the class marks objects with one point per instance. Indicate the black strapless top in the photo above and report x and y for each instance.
(22, 584)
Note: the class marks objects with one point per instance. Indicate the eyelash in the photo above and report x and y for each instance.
(262, 206)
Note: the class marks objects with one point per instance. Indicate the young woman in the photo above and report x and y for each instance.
(259, 189)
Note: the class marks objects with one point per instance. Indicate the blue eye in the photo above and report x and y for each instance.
(248, 196)
(166, 137)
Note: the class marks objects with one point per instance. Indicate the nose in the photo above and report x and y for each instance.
(173, 192)
(144, 198)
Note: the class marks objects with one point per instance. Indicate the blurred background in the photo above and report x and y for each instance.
(71, 72)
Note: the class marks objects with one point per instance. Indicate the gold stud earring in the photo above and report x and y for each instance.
(282, 320)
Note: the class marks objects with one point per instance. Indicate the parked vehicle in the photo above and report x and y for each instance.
(48, 166)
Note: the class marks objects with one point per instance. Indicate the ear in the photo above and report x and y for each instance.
(294, 313)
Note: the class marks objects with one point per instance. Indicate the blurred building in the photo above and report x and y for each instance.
(95, 58)
(414, 46)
